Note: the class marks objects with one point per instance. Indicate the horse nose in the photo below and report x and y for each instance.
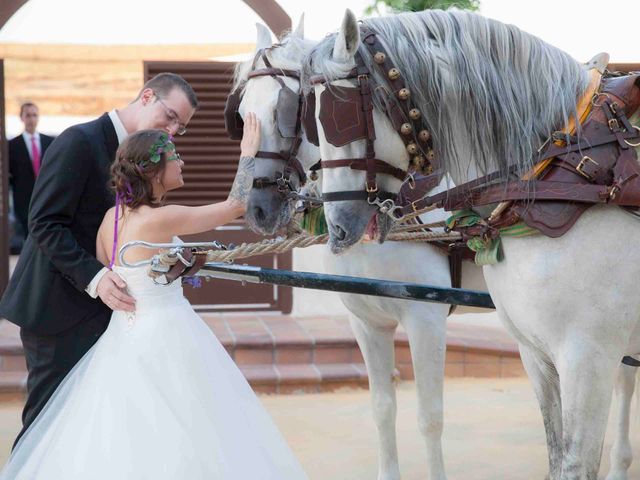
(339, 232)
(258, 213)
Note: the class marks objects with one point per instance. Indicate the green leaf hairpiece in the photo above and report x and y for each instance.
(164, 144)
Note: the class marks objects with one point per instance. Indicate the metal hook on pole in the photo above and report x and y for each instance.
(173, 250)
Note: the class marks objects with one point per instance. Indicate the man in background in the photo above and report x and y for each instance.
(25, 156)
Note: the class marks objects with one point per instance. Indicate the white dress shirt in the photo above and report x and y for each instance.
(122, 133)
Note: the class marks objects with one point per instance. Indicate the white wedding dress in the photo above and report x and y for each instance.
(157, 397)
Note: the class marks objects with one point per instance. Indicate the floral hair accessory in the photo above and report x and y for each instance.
(164, 144)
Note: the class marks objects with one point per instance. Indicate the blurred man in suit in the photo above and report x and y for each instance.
(25, 157)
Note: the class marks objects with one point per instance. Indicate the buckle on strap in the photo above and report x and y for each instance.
(580, 167)
(372, 189)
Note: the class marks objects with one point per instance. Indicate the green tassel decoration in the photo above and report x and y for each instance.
(313, 221)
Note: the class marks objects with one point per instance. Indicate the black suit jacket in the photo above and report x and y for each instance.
(21, 175)
(46, 293)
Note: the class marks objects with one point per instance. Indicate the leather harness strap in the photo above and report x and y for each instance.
(188, 265)
(365, 164)
(282, 180)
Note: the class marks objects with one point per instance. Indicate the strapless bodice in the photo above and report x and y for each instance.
(146, 292)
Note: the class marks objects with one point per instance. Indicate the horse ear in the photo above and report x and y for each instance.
(299, 31)
(264, 37)
(348, 39)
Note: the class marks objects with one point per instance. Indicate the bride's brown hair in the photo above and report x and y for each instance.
(140, 160)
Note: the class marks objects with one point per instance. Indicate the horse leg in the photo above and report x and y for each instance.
(377, 346)
(587, 377)
(546, 385)
(427, 339)
(621, 454)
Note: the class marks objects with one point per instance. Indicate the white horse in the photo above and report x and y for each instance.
(490, 95)
(374, 320)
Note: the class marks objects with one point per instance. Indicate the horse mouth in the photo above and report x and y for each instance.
(377, 229)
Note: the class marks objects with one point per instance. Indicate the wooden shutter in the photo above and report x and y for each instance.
(211, 160)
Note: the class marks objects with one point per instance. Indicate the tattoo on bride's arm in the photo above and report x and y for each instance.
(244, 179)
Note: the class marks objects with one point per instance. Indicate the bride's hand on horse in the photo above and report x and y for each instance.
(182, 220)
(250, 136)
(112, 291)
(239, 193)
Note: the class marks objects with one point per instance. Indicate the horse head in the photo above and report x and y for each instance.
(269, 86)
(449, 90)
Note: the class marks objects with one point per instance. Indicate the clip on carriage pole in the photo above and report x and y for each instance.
(345, 284)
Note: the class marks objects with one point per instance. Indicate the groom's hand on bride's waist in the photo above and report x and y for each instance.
(112, 292)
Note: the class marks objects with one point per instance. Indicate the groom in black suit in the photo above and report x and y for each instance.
(25, 158)
(52, 294)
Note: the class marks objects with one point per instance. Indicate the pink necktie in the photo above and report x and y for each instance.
(35, 156)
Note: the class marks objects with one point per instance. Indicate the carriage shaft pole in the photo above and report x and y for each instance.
(345, 284)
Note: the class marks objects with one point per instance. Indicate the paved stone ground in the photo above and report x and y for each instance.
(493, 431)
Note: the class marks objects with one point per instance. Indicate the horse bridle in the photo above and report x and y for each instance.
(340, 110)
(234, 125)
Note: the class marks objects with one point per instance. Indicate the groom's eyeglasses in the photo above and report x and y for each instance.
(172, 116)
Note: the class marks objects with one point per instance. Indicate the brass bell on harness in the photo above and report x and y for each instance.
(431, 155)
(406, 129)
(412, 149)
(424, 136)
(379, 58)
(404, 93)
(313, 175)
(394, 74)
(418, 161)
(414, 114)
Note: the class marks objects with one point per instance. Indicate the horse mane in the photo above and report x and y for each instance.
(288, 53)
(488, 91)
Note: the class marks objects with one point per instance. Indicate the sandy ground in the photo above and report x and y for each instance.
(493, 431)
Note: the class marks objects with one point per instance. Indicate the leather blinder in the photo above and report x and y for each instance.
(232, 120)
(341, 115)
(309, 118)
(287, 110)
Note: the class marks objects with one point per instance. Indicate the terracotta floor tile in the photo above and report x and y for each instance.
(403, 354)
(255, 339)
(266, 389)
(289, 389)
(406, 371)
(454, 370)
(356, 356)
(298, 373)
(482, 369)
(260, 374)
(248, 356)
(342, 354)
(512, 367)
(14, 363)
(473, 357)
(284, 355)
(454, 355)
(338, 372)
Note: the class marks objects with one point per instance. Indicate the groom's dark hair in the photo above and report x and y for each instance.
(163, 83)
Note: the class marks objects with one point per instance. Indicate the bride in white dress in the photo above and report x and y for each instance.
(157, 397)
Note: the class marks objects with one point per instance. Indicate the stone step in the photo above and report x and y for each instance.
(283, 354)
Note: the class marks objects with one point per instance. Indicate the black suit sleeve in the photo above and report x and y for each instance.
(63, 177)
(12, 163)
